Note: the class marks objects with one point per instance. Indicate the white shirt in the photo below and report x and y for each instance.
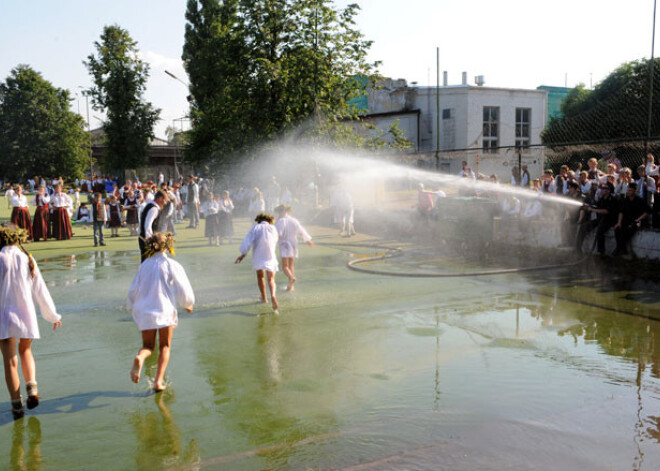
(149, 221)
(288, 229)
(61, 200)
(466, 173)
(226, 206)
(19, 201)
(18, 294)
(511, 206)
(262, 239)
(40, 200)
(533, 209)
(84, 215)
(212, 207)
(160, 285)
(257, 205)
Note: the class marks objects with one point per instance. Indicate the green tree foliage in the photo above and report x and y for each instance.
(259, 68)
(39, 135)
(616, 109)
(119, 78)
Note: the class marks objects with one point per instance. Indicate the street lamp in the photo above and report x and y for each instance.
(89, 132)
(190, 97)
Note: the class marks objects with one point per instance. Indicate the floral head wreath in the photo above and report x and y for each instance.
(13, 235)
(156, 244)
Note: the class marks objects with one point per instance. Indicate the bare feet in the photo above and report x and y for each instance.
(136, 370)
(290, 285)
(264, 301)
(159, 386)
(276, 305)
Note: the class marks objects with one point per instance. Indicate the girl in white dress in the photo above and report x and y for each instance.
(288, 230)
(21, 287)
(262, 239)
(158, 287)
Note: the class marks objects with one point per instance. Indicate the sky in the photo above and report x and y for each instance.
(512, 43)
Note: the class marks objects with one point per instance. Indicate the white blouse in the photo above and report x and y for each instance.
(226, 206)
(160, 285)
(18, 294)
(19, 201)
(61, 200)
(288, 229)
(262, 239)
(40, 200)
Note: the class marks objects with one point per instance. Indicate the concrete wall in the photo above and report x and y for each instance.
(644, 244)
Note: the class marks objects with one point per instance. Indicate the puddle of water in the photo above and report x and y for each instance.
(357, 372)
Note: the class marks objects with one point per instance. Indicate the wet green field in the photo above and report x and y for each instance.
(556, 369)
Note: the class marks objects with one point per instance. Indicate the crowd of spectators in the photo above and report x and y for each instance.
(605, 196)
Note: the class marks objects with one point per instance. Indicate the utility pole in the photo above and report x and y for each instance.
(651, 73)
(437, 110)
(89, 132)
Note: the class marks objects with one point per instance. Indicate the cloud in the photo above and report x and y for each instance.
(161, 62)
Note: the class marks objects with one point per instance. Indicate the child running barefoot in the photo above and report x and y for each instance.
(288, 229)
(158, 287)
(21, 286)
(262, 239)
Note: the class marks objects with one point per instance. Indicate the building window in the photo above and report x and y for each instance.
(523, 116)
(446, 113)
(491, 129)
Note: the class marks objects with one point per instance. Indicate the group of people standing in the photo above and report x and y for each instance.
(51, 217)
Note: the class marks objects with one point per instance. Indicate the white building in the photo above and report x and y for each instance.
(484, 126)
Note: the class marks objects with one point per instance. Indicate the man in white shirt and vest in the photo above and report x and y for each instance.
(149, 220)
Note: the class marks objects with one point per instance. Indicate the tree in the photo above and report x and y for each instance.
(39, 135)
(260, 68)
(616, 109)
(120, 78)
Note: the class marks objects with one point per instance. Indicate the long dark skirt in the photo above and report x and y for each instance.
(41, 224)
(61, 224)
(212, 227)
(115, 217)
(226, 225)
(21, 217)
(132, 216)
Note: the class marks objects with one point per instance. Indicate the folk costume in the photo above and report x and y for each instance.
(61, 223)
(20, 215)
(131, 206)
(212, 220)
(225, 218)
(114, 212)
(100, 217)
(41, 223)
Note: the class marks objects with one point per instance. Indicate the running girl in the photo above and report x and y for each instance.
(158, 287)
(288, 229)
(21, 287)
(262, 239)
